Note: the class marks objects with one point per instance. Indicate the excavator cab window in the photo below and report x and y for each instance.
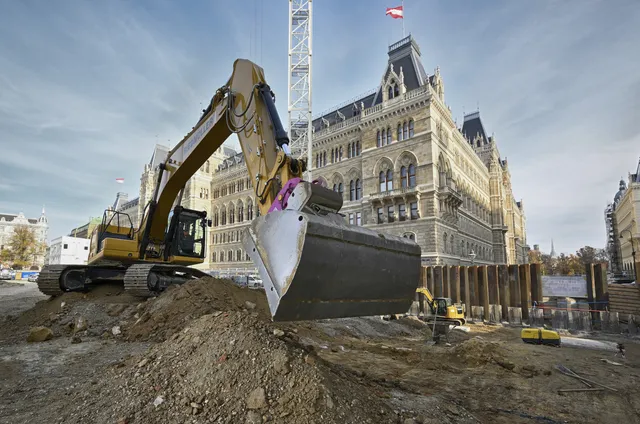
(441, 305)
(188, 238)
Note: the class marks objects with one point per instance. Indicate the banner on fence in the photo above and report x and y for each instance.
(564, 286)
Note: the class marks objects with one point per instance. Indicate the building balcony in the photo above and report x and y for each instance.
(391, 194)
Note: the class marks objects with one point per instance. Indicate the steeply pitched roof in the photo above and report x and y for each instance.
(159, 155)
(473, 126)
(404, 54)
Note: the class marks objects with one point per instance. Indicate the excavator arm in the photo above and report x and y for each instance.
(245, 105)
(427, 294)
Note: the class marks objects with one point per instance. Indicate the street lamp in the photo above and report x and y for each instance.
(633, 253)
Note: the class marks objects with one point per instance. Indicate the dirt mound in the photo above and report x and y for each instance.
(161, 317)
(230, 365)
(477, 351)
(100, 309)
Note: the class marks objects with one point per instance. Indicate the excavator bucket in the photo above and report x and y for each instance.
(315, 266)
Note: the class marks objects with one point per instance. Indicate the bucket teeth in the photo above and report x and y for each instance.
(317, 267)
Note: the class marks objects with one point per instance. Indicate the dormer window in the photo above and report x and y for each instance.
(396, 90)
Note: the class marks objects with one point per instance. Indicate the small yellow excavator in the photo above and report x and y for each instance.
(443, 309)
(313, 264)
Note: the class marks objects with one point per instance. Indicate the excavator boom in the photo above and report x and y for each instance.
(313, 264)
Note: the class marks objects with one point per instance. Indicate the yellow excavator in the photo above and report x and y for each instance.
(313, 264)
(443, 309)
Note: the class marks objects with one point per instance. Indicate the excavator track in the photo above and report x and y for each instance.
(135, 280)
(49, 280)
(137, 277)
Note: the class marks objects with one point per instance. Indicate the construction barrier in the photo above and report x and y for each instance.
(514, 294)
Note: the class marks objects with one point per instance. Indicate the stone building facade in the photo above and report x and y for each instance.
(39, 226)
(403, 167)
(622, 220)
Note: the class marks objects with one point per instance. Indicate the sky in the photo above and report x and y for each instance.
(88, 88)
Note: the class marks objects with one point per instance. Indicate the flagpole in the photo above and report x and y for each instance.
(402, 19)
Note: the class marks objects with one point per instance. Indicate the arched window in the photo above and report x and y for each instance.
(213, 257)
(384, 137)
(240, 213)
(335, 187)
(324, 159)
(216, 219)
(238, 255)
(389, 135)
(250, 211)
(358, 189)
(317, 161)
(231, 214)
(340, 189)
(352, 190)
(358, 148)
(452, 244)
(403, 177)
(224, 217)
(444, 241)
(340, 154)
(389, 180)
(221, 256)
(399, 132)
(390, 92)
(379, 144)
(405, 130)
(412, 175)
(230, 256)
(332, 156)
(383, 182)
(349, 151)
(410, 127)
(396, 90)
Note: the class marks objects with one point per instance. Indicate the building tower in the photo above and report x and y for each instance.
(299, 102)
(553, 251)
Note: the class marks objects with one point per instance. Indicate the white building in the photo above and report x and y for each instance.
(39, 226)
(67, 250)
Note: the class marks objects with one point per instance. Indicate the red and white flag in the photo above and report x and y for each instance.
(395, 12)
(120, 180)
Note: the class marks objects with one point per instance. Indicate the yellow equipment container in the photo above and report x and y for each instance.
(540, 336)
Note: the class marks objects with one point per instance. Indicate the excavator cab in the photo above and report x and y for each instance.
(442, 304)
(186, 233)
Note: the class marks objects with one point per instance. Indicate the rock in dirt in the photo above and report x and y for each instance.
(256, 399)
(79, 324)
(39, 334)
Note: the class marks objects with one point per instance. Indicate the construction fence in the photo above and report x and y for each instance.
(514, 294)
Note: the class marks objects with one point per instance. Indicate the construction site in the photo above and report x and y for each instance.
(208, 352)
(349, 318)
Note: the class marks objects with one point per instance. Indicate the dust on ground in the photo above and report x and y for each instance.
(207, 352)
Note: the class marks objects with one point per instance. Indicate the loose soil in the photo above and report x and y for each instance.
(207, 352)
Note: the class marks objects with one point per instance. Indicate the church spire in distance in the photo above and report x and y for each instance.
(553, 251)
